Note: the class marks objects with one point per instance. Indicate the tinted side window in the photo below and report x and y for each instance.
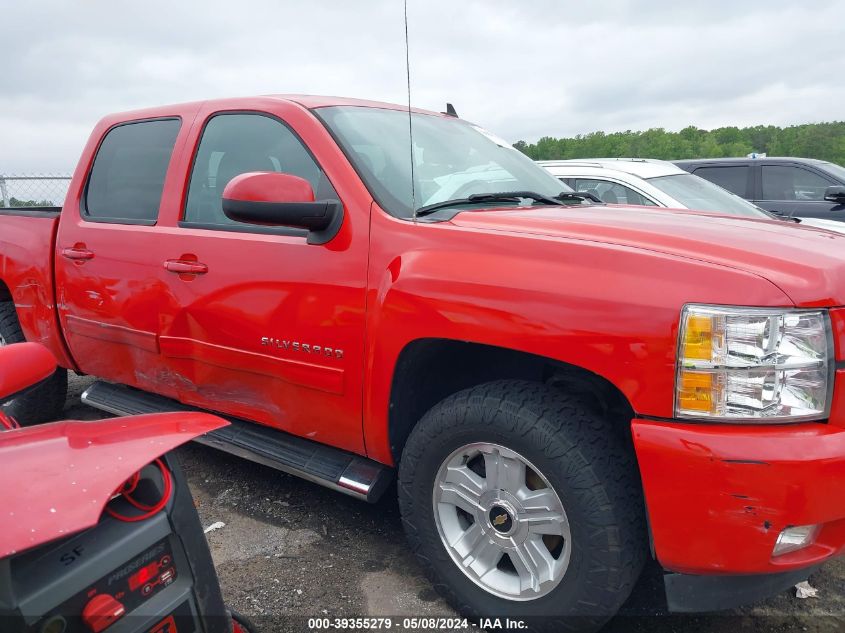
(611, 192)
(734, 179)
(127, 177)
(233, 144)
(783, 182)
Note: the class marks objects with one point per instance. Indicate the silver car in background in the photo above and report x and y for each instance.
(650, 182)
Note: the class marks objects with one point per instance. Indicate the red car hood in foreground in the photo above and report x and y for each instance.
(59, 476)
(807, 264)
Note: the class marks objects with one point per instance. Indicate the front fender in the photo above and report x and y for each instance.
(610, 309)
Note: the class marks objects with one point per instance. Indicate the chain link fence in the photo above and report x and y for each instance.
(33, 190)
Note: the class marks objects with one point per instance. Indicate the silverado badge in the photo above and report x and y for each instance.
(306, 348)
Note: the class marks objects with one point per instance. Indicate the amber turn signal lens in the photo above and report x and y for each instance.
(699, 391)
(698, 338)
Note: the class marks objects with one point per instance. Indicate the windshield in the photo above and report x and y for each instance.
(835, 170)
(452, 158)
(702, 195)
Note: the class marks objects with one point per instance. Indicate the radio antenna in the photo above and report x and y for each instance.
(410, 124)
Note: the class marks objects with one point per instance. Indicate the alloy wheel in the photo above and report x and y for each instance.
(501, 521)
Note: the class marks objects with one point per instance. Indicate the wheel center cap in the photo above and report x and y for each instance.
(501, 519)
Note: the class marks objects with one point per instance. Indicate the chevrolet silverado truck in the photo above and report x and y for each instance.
(562, 389)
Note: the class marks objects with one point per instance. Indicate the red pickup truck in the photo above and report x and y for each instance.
(562, 389)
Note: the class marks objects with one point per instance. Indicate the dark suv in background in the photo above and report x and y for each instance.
(802, 187)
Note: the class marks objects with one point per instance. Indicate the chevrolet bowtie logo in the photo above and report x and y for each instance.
(499, 520)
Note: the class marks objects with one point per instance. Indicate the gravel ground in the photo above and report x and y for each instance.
(291, 550)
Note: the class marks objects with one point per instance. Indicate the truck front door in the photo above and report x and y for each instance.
(273, 328)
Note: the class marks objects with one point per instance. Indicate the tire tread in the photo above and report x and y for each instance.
(593, 460)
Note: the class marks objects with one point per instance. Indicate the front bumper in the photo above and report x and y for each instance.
(718, 495)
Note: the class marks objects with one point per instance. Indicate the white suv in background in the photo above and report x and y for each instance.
(649, 182)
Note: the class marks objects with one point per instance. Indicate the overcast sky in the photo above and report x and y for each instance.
(522, 68)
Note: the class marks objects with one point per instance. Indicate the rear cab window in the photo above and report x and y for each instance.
(127, 178)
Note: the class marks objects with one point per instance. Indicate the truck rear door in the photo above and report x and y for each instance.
(110, 250)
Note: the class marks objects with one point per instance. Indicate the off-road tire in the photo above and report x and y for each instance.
(44, 402)
(585, 460)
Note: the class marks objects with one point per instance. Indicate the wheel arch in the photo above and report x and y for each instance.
(5, 293)
(430, 369)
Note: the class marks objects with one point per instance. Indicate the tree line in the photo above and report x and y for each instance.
(825, 141)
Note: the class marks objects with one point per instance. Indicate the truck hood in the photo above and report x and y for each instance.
(806, 263)
(67, 471)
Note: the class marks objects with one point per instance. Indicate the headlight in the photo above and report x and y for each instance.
(753, 364)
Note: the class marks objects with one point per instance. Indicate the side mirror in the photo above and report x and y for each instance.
(273, 199)
(23, 365)
(835, 193)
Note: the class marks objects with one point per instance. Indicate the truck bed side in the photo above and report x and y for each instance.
(27, 247)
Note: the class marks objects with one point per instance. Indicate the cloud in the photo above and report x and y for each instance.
(522, 69)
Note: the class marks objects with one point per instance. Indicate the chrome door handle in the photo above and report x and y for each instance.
(78, 254)
(185, 267)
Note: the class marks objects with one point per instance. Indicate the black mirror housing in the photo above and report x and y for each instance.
(278, 199)
(322, 218)
(835, 193)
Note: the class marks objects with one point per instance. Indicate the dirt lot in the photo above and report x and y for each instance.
(291, 550)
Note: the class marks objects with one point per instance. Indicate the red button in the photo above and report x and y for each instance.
(101, 612)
